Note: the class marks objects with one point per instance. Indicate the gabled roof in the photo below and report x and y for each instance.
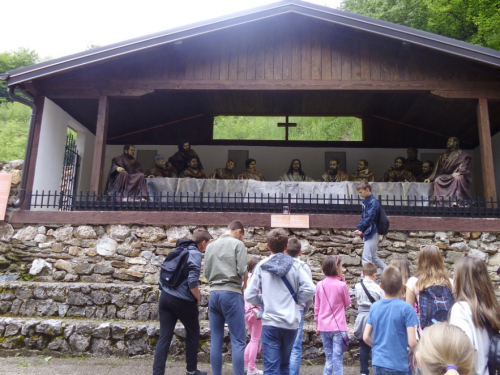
(370, 25)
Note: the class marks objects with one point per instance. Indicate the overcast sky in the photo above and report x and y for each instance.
(56, 28)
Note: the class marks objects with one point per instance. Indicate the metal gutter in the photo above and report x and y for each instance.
(29, 142)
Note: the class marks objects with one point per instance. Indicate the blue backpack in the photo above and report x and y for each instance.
(434, 304)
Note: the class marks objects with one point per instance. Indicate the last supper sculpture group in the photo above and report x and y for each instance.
(450, 175)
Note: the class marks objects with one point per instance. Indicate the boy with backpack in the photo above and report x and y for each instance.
(367, 227)
(367, 293)
(390, 328)
(280, 285)
(179, 300)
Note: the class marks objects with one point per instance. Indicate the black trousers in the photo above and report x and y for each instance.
(170, 310)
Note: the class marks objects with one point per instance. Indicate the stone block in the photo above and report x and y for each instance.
(489, 247)
(63, 234)
(6, 231)
(26, 234)
(40, 267)
(85, 231)
(397, 236)
(103, 269)
(79, 343)
(106, 247)
(84, 268)
(118, 232)
(478, 254)
(150, 233)
(75, 251)
(64, 265)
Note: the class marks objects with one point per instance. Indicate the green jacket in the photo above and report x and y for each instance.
(225, 264)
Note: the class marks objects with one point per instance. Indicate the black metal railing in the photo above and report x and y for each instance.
(294, 204)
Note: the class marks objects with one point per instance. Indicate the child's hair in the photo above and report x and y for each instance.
(473, 285)
(443, 345)
(200, 235)
(332, 266)
(252, 262)
(294, 247)
(277, 239)
(369, 269)
(404, 267)
(364, 185)
(430, 268)
(391, 281)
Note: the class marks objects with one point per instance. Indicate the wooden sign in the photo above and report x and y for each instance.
(5, 180)
(290, 221)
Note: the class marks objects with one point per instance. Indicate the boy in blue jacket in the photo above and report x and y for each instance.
(367, 228)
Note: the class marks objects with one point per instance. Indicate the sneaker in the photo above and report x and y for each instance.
(197, 372)
(256, 371)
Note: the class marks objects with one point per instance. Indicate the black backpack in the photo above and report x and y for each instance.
(381, 221)
(494, 350)
(174, 269)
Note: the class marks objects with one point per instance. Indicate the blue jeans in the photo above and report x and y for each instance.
(223, 307)
(364, 357)
(332, 343)
(276, 348)
(296, 356)
(377, 370)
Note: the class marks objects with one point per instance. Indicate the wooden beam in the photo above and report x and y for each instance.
(467, 94)
(412, 223)
(483, 122)
(117, 87)
(31, 164)
(100, 144)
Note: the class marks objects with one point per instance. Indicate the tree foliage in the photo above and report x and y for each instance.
(14, 123)
(14, 60)
(308, 128)
(473, 21)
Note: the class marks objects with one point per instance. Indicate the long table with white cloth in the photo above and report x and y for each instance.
(398, 192)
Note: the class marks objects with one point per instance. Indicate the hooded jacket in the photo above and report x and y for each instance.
(183, 291)
(266, 288)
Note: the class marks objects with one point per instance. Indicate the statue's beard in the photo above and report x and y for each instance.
(399, 169)
(332, 172)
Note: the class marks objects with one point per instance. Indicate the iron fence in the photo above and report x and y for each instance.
(294, 204)
(69, 173)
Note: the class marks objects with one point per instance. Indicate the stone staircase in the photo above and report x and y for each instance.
(103, 319)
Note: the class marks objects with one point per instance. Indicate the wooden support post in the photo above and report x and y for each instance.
(31, 164)
(483, 122)
(101, 134)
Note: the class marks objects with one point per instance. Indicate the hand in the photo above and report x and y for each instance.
(427, 180)
(120, 169)
(358, 233)
(456, 174)
(317, 331)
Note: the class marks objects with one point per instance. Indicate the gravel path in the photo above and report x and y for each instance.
(42, 365)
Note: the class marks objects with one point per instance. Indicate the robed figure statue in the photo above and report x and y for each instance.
(295, 173)
(126, 176)
(182, 157)
(451, 174)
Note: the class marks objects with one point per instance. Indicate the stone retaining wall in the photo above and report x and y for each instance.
(134, 254)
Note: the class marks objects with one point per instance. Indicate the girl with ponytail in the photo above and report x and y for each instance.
(444, 349)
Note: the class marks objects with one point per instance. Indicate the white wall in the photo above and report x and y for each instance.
(273, 161)
(49, 162)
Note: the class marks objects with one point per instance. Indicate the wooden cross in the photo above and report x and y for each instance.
(287, 125)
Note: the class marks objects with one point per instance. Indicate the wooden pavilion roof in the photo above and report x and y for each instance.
(289, 58)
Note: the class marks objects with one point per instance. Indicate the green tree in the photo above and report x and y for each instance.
(473, 21)
(14, 60)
